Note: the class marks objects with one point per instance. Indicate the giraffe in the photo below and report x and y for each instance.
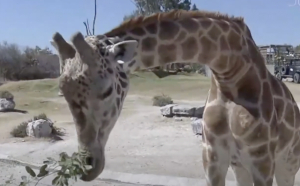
(250, 122)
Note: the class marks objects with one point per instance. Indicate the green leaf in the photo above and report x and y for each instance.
(55, 181)
(42, 174)
(7, 181)
(30, 171)
(43, 168)
(51, 159)
(66, 181)
(22, 184)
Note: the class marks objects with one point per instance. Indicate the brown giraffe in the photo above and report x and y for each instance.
(251, 120)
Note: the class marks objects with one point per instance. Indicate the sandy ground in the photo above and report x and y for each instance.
(142, 142)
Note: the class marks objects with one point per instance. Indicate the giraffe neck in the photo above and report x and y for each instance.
(186, 40)
(202, 40)
(224, 45)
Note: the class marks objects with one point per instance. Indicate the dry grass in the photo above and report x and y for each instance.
(161, 100)
(191, 86)
(6, 94)
(183, 86)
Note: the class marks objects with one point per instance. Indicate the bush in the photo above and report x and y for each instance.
(20, 130)
(28, 64)
(40, 116)
(6, 94)
(162, 100)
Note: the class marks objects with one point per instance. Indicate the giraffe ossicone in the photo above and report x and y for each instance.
(251, 120)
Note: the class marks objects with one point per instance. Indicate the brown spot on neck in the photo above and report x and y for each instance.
(209, 51)
(148, 44)
(168, 30)
(167, 53)
(214, 33)
(189, 48)
(147, 60)
(190, 25)
(152, 28)
(234, 41)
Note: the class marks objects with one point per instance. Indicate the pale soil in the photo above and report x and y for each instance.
(142, 141)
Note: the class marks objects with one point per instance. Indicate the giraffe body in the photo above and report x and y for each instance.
(251, 120)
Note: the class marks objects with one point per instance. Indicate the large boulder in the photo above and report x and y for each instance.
(6, 104)
(182, 111)
(39, 128)
(167, 110)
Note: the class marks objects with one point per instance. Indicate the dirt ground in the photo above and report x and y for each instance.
(142, 142)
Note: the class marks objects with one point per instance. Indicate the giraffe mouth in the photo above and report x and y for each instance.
(97, 168)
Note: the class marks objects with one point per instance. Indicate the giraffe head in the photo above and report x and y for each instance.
(94, 85)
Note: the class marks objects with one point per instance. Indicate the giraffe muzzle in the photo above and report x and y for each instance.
(97, 168)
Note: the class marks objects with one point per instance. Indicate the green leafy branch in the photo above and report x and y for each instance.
(66, 168)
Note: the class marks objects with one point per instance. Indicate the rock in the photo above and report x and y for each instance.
(197, 126)
(182, 110)
(6, 104)
(167, 110)
(199, 111)
(178, 119)
(39, 128)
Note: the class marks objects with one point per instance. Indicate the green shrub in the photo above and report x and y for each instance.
(40, 116)
(162, 100)
(6, 94)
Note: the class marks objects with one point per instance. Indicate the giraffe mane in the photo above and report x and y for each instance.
(167, 16)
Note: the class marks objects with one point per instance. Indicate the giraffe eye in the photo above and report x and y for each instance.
(102, 51)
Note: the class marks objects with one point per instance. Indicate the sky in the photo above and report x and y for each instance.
(33, 22)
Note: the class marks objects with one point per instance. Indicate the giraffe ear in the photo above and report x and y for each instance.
(64, 49)
(124, 51)
(53, 44)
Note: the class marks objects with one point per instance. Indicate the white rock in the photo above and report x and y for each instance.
(6, 104)
(178, 119)
(167, 110)
(197, 126)
(182, 111)
(39, 128)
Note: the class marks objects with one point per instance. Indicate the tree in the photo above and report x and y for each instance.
(194, 7)
(148, 7)
(297, 49)
(87, 25)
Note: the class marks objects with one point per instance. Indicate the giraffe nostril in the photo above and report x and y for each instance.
(89, 161)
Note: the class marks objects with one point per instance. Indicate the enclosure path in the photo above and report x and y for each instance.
(60, 99)
(116, 178)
